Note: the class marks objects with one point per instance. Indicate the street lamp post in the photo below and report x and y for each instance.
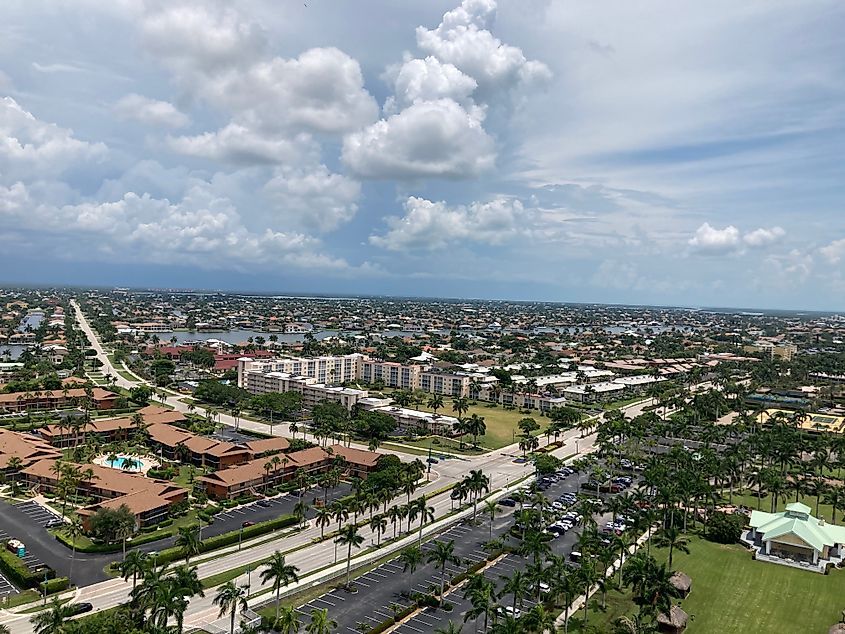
(240, 537)
(248, 578)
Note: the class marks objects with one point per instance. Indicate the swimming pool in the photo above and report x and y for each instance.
(125, 463)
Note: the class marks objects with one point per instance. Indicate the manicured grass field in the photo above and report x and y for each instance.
(733, 594)
(501, 423)
(751, 501)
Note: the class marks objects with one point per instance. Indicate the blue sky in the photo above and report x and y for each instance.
(653, 152)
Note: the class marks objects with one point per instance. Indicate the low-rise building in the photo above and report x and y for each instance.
(57, 399)
(148, 498)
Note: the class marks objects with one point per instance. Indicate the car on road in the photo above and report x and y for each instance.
(79, 608)
(432, 460)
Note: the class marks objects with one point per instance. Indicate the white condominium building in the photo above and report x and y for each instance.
(328, 369)
(312, 391)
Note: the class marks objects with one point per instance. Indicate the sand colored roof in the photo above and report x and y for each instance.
(28, 448)
(137, 502)
(268, 445)
(97, 426)
(167, 434)
(152, 409)
(355, 456)
(98, 394)
(252, 470)
(108, 479)
(307, 457)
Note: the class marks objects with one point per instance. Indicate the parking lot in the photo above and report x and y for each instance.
(38, 513)
(271, 508)
(389, 586)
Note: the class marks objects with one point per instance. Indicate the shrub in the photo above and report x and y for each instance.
(55, 585)
(725, 528)
(18, 572)
(227, 539)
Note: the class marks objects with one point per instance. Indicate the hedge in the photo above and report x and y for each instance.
(227, 539)
(18, 572)
(138, 540)
(55, 585)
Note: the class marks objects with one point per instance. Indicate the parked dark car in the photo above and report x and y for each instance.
(507, 502)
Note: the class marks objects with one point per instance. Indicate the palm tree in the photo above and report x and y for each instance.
(320, 622)
(450, 628)
(518, 585)
(443, 554)
(135, 565)
(169, 601)
(231, 598)
(435, 402)
(188, 539)
(379, 524)
(300, 510)
(349, 537)
(418, 509)
(672, 537)
(411, 557)
(280, 573)
(476, 483)
(490, 507)
(323, 519)
(287, 621)
(481, 592)
(52, 620)
(74, 530)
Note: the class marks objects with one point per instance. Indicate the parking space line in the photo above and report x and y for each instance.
(362, 583)
(409, 626)
(324, 601)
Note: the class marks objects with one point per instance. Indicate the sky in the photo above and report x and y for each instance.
(655, 152)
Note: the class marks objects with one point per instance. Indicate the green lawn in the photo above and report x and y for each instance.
(751, 501)
(731, 593)
(501, 423)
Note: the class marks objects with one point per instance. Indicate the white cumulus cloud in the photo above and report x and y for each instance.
(240, 144)
(426, 79)
(315, 199)
(710, 240)
(430, 138)
(462, 38)
(150, 111)
(431, 226)
(29, 146)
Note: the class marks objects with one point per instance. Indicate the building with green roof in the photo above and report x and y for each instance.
(795, 537)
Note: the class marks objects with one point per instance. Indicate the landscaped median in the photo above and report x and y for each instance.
(168, 555)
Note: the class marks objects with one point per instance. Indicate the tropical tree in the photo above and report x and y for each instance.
(350, 538)
(672, 537)
(280, 573)
(442, 555)
(187, 538)
(135, 566)
(52, 620)
(323, 518)
(411, 557)
(287, 621)
(74, 530)
(231, 598)
(320, 622)
(517, 585)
